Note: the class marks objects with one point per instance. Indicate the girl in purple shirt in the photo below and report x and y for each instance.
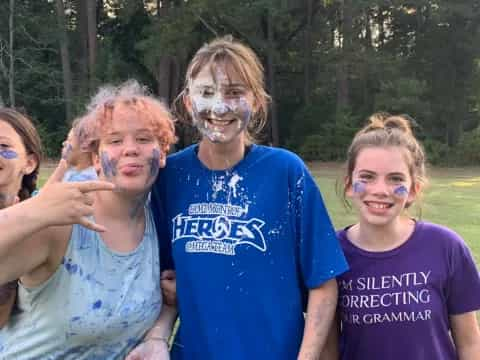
(413, 288)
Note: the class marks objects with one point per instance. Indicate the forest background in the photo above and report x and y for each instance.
(329, 64)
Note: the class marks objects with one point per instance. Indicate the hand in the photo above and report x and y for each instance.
(168, 283)
(63, 203)
(150, 349)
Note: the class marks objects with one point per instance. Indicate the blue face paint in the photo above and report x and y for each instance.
(155, 163)
(401, 191)
(359, 187)
(109, 166)
(8, 154)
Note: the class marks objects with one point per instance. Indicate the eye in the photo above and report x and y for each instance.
(397, 179)
(207, 92)
(235, 92)
(144, 139)
(365, 177)
(114, 141)
(4, 146)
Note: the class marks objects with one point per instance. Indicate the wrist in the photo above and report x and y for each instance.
(157, 338)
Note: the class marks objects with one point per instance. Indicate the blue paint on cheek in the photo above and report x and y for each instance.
(8, 154)
(97, 305)
(155, 162)
(401, 191)
(67, 151)
(108, 165)
(358, 187)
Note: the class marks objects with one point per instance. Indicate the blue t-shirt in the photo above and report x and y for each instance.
(247, 244)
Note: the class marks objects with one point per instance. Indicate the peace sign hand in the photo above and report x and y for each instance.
(66, 203)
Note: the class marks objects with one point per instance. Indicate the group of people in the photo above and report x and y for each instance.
(232, 235)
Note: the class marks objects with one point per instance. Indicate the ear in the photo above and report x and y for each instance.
(187, 102)
(414, 191)
(32, 163)
(348, 186)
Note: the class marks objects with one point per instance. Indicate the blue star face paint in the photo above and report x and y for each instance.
(401, 191)
(359, 187)
(109, 166)
(8, 154)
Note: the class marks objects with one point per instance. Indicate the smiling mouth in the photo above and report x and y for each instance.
(377, 205)
(218, 122)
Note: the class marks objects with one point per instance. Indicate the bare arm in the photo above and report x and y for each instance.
(322, 302)
(31, 223)
(466, 335)
(155, 344)
(331, 350)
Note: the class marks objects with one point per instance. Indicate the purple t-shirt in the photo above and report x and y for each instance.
(396, 304)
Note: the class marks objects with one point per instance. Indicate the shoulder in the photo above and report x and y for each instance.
(439, 234)
(181, 155)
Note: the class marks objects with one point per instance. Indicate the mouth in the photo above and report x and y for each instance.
(131, 169)
(220, 122)
(376, 205)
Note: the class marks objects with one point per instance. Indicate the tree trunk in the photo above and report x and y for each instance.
(65, 57)
(11, 73)
(307, 88)
(343, 90)
(164, 71)
(83, 46)
(92, 41)
(271, 78)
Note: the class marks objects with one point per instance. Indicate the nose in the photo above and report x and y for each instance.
(219, 107)
(130, 147)
(380, 188)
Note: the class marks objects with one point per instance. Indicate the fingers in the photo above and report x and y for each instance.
(91, 225)
(58, 173)
(97, 185)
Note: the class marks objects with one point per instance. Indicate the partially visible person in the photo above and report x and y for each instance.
(413, 288)
(252, 242)
(78, 157)
(20, 156)
(92, 291)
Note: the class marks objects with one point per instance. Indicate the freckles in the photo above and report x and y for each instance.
(401, 191)
(8, 154)
(109, 166)
(358, 187)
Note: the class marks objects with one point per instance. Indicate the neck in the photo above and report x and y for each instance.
(82, 163)
(221, 156)
(382, 238)
(120, 206)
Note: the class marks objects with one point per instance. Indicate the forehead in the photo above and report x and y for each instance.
(382, 160)
(7, 131)
(217, 74)
(125, 119)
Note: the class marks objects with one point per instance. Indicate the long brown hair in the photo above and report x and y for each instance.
(24, 127)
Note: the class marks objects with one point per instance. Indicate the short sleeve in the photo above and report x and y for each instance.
(321, 257)
(463, 293)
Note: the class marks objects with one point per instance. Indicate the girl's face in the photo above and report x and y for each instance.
(129, 154)
(14, 163)
(221, 104)
(381, 184)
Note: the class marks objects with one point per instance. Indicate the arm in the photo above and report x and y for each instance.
(331, 350)
(466, 335)
(155, 344)
(322, 302)
(31, 223)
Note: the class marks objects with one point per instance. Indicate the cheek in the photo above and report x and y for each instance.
(358, 188)
(401, 191)
(9, 154)
(108, 164)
